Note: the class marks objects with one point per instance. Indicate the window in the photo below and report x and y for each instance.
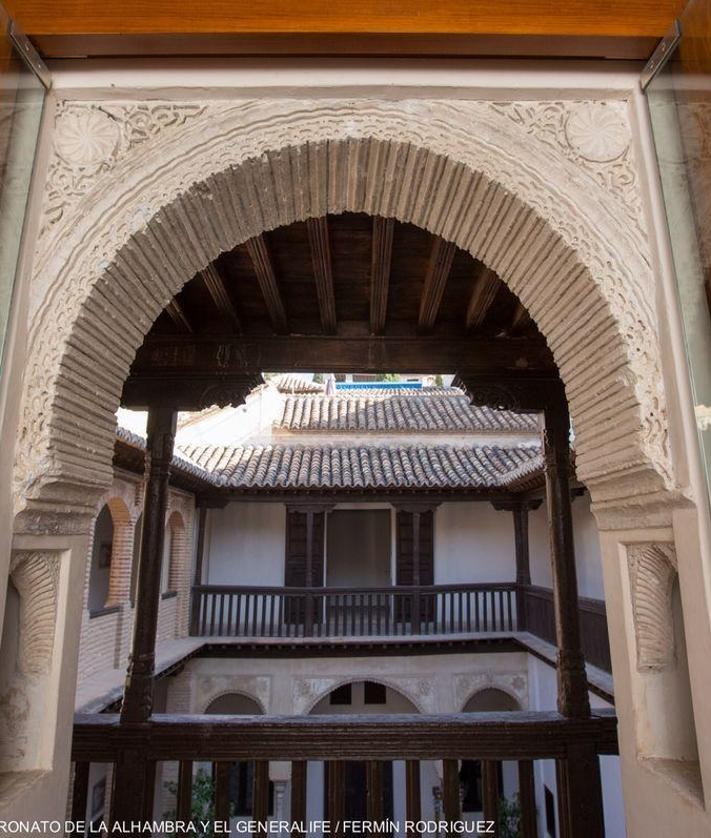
(374, 693)
(550, 812)
(341, 695)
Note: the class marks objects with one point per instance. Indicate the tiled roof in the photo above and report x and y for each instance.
(293, 383)
(428, 409)
(364, 466)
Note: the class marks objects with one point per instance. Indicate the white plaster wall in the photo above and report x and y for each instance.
(473, 543)
(587, 549)
(542, 692)
(245, 544)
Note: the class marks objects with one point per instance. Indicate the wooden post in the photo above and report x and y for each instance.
(523, 564)
(580, 790)
(298, 793)
(309, 606)
(416, 615)
(413, 806)
(199, 561)
(490, 791)
(527, 799)
(134, 777)
(572, 680)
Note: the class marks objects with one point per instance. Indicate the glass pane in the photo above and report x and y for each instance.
(21, 100)
(680, 109)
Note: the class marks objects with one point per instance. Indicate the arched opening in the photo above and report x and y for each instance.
(100, 571)
(174, 547)
(517, 229)
(501, 777)
(351, 778)
(241, 783)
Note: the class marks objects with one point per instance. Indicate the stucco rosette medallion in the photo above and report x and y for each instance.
(597, 132)
(87, 138)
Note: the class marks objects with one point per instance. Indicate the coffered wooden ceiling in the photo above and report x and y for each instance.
(75, 28)
(343, 293)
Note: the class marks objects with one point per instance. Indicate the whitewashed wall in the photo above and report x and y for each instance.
(542, 692)
(587, 549)
(245, 544)
(473, 543)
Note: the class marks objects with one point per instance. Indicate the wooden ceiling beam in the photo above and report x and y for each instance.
(484, 291)
(317, 229)
(229, 354)
(519, 320)
(217, 288)
(259, 254)
(381, 257)
(438, 269)
(177, 314)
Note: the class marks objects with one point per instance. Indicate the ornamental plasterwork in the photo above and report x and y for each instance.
(90, 140)
(36, 577)
(306, 693)
(594, 135)
(545, 160)
(653, 569)
(468, 683)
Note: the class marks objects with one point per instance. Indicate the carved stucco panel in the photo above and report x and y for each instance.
(466, 684)
(653, 569)
(306, 693)
(36, 577)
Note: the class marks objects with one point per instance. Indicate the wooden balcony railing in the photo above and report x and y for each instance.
(225, 611)
(539, 619)
(220, 741)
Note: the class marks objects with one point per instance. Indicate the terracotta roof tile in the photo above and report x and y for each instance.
(428, 409)
(364, 466)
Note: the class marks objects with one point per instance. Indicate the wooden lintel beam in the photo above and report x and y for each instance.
(177, 314)
(321, 258)
(381, 257)
(484, 291)
(438, 268)
(215, 284)
(230, 354)
(263, 268)
(503, 735)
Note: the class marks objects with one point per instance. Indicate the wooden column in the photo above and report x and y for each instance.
(413, 803)
(490, 791)
(579, 786)
(416, 615)
(199, 562)
(572, 680)
(135, 776)
(309, 605)
(519, 510)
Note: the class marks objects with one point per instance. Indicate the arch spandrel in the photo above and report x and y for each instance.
(536, 201)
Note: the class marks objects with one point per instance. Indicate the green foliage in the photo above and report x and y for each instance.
(318, 378)
(391, 376)
(439, 381)
(202, 806)
(509, 817)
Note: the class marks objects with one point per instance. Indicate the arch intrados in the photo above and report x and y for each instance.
(502, 690)
(240, 693)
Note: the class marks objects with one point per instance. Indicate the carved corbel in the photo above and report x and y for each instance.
(36, 576)
(653, 569)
